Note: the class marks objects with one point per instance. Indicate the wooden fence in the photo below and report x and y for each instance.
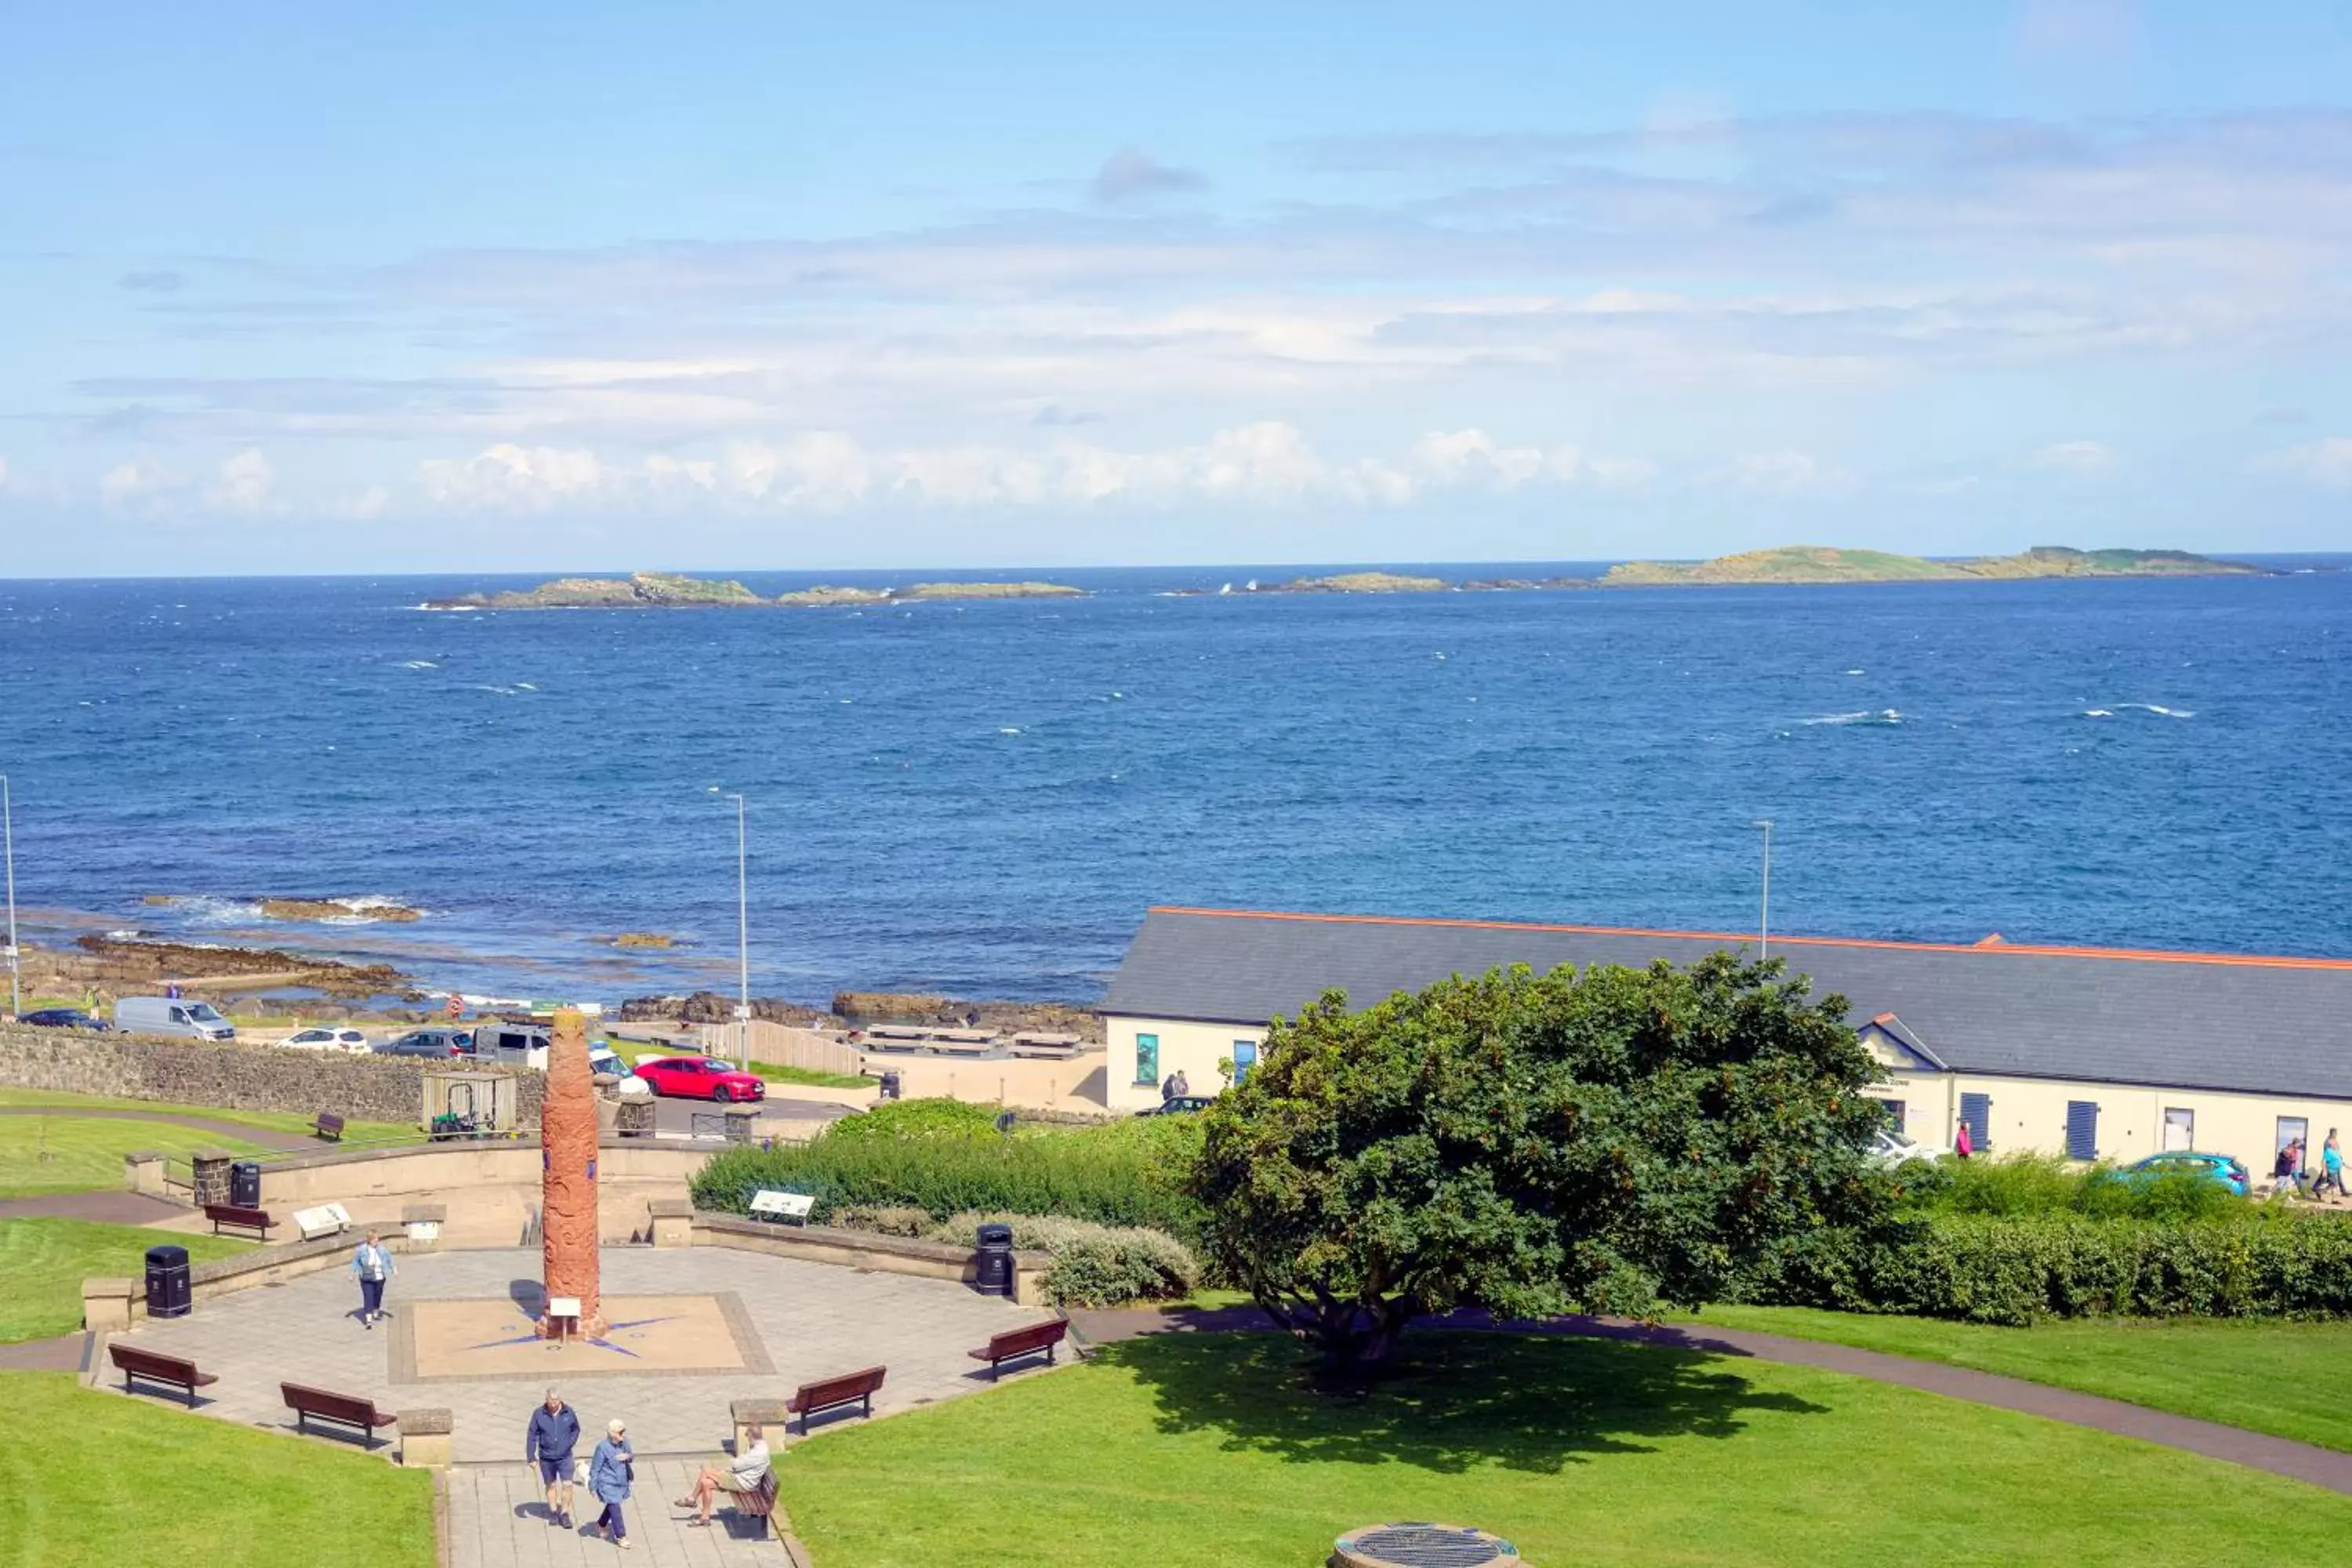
(783, 1045)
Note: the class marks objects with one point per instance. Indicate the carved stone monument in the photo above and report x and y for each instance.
(568, 1183)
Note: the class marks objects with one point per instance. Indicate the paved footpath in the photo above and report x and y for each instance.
(498, 1516)
(2232, 1445)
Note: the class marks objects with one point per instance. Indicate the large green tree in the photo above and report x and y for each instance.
(1615, 1141)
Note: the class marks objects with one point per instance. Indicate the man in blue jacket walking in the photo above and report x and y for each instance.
(554, 1433)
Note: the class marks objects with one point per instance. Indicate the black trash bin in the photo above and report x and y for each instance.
(245, 1184)
(889, 1086)
(992, 1270)
(168, 1294)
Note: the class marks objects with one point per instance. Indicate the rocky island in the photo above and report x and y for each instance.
(1358, 583)
(1814, 564)
(667, 590)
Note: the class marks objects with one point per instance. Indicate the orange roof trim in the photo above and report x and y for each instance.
(2021, 948)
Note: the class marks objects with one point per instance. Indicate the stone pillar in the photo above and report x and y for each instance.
(142, 1171)
(427, 1439)
(422, 1222)
(567, 1135)
(769, 1415)
(673, 1221)
(106, 1304)
(741, 1120)
(212, 1176)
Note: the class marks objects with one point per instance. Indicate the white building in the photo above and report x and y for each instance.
(2098, 1053)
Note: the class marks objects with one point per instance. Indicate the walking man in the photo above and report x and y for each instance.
(744, 1473)
(554, 1433)
(371, 1265)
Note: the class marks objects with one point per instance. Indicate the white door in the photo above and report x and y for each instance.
(2180, 1129)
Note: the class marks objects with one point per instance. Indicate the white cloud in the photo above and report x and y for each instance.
(2084, 459)
(244, 484)
(136, 481)
(2328, 461)
(1787, 473)
(1266, 463)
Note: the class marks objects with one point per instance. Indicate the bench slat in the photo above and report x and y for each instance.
(851, 1388)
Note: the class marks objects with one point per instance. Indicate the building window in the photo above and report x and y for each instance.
(2294, 1130)
(1975, 1114)
(2179, 1128)
(1245, 1058)
(1894, 1108)
(1147, 1061)
(2081, 1130)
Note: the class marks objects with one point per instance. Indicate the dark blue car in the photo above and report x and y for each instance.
(2220, 1168)
(64, 1018)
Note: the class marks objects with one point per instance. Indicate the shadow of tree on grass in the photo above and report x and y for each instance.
(1449, 1402)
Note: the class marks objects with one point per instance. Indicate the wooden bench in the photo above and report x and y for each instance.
(760, 1502)
(257, 1220)
(1015, 1343)
(134, 1362)
(853, 1388)
(339, 1409)
(329, 1128)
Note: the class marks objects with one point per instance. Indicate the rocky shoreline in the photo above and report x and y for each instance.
(665, 591)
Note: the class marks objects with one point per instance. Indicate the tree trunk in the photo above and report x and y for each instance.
(1349, 1334)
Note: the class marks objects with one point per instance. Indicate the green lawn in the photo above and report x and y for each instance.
(91, 1477)
(2293, 1380)
(267, 1120)
(773, 1073)
(1210, 1451)
(44, 1261)
(69, 1153)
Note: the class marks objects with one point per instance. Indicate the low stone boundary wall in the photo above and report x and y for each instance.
(863, 1249)
(111, 1305)
(233, 1074)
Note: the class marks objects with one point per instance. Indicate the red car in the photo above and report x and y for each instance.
(699, 1078)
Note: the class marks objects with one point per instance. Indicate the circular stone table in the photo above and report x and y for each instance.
(1418, 1545)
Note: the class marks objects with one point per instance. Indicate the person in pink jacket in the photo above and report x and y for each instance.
(1962, 1144)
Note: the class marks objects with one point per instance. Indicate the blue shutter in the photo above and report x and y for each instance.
(1976, 1109)
(1147, 1061)
(2081, 1130)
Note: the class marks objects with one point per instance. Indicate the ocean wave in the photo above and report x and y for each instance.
(2098, 713)
(2160, 711)
(1008, 731)
(1863, 716)
(418, 664)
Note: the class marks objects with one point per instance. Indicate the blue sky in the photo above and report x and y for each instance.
(511, 287)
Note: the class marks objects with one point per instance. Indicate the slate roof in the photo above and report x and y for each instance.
(2271, 1026)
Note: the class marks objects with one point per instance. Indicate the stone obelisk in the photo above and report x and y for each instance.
(568, 1180)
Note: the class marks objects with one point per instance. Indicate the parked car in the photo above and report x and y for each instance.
(699, 1078)
(64, 1018)
(1180, 1105)
(442, 1043)
(602, 1059)
(2228, 1170)
(348, 1041)
(1889, 1149)
(172, 1016)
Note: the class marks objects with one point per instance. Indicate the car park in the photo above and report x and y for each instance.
(350, 1042)
(440, 1043)
(64, 1018)
(699, 1078)
(188, 1020)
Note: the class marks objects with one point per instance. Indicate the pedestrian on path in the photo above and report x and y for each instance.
(2286, 1175)
(554, 1433)
(371, 1265)
(610, 1471)
(1962, 1144)
(2331, 1168)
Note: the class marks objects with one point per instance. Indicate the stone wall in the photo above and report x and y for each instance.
(235, 1077)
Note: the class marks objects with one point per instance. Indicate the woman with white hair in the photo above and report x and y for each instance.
(610, 1471)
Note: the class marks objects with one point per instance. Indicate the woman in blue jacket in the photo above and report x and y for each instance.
(609, 1471)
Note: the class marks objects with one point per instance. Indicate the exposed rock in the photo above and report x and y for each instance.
(712, 1007)
(993, 591)
(1525, 585)
(337, 909)
(1361, 582)
(825, 594)
(1814, 564)
(644, 939)
(860, 1008)
(641, 590)
(126, 966)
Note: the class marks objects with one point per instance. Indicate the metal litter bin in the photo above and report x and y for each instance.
(245, 1184)
(992, 1264)
(169, 1294)
(889, 1086)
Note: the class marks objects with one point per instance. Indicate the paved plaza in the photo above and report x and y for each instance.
(792, 1322)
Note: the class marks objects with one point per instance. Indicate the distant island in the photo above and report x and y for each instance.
(667, 591)
(1823, 563)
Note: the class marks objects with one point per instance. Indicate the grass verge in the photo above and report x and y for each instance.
(266, 1121)
(198, 1491)
(1210, 1451)
(44, 1261)
(2291, 1380)
(69, 1153)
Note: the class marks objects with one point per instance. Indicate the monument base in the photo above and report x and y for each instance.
(589, 1328)
(472, 1341)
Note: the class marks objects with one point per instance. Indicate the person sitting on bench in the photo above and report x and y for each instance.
(741, 1473)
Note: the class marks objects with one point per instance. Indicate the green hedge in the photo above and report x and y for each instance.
(1121, 1179)
(2259, 1263)
(1094, 1265)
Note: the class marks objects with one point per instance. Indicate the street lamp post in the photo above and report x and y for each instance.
(1764, 912)
(743, 944)
(8, 836)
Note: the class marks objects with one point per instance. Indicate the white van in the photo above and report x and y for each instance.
(172, 1016)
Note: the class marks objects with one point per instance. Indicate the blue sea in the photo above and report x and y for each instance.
(983, 797)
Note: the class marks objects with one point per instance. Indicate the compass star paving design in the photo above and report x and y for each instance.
(471, 1341)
